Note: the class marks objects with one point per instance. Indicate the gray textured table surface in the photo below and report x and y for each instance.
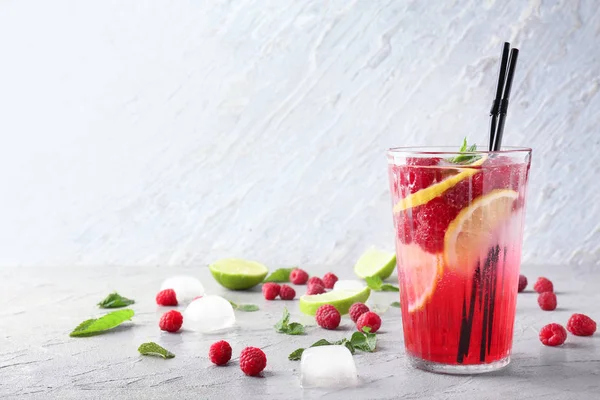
(39, 360)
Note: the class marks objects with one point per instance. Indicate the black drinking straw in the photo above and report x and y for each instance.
(499, 109)
(499, 88)
(512, 64)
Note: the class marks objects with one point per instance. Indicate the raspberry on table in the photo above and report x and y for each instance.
(356, 310)
(328, 317)
(553, 335)
(252, 361)
(220, 352)
(581, 325)
(171, 321)
(166, 297)
(543, 285)
(298, 276)
(315, 288)
(329, 280)
(547, 301)
(522, 283)
(270, 290)
(369, 319)
(287, 292)
(316, 279)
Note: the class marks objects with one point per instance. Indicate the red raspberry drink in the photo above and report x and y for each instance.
(459, 224)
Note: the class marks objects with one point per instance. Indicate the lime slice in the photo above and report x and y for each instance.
(429, 193)
(340, 299)
(238, 274)
(375, 262)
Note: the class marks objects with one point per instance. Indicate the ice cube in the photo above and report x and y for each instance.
(327, 366)
(185, 287)
(209, 314)
(349, 285)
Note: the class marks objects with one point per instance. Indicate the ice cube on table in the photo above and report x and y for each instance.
(209, 314)
(186, 287)
(327, 366)
(349, 285)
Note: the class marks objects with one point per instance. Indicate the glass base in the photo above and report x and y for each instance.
(457, 369)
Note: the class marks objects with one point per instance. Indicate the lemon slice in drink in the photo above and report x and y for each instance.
(419, 273)
(431, 192)
(469, 235)
(340, 299)
(238, 274)
(375, 262)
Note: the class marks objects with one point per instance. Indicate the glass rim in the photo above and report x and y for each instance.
(451, 150)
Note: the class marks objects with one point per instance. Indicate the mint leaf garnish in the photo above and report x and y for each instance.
(375, 283)
(115, 300)
(244, 307)
(465, 158)
(284, 325)
(153, 349)
(279, 275)
(395, 304)
(96, 326)
(363, 341)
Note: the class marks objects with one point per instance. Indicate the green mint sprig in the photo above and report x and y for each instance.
(153, 349)
(366, 341)
(289, 328)
(96, 326)
(375, 283)
(244, 307)
(465, 158)
(115, 300)
(280, 275)
(395, 304)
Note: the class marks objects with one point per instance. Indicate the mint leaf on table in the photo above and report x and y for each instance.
(244, 307)
(284, 325)
(96, 326)
(465, 158)
(153, 349)
(395, 304)
(375, 283)
(115, 300)
(296, 354)
(279, 275)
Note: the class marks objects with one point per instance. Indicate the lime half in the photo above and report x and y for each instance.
(375, 262)
(238, 274)
(340, 299)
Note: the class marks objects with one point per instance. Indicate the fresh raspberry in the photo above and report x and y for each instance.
(419, 176)
(270, 290)
(220, 352)
(543, 285)
(315, 288)
(316, 279)
(329, 280)
(287, 293)
(369, 319)
(581, 325)
(553, 335)
(406, 225)
(171, 321)
(252, 361)
(522, 283)
(356, 310)
(433, 219)
(547, 301)
(166, 297)
(298, 276)
(328, 317)
(464, 192)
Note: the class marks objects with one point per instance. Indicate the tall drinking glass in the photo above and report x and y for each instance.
(459, 227)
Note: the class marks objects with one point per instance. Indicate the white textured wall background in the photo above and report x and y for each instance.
(144, 132)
